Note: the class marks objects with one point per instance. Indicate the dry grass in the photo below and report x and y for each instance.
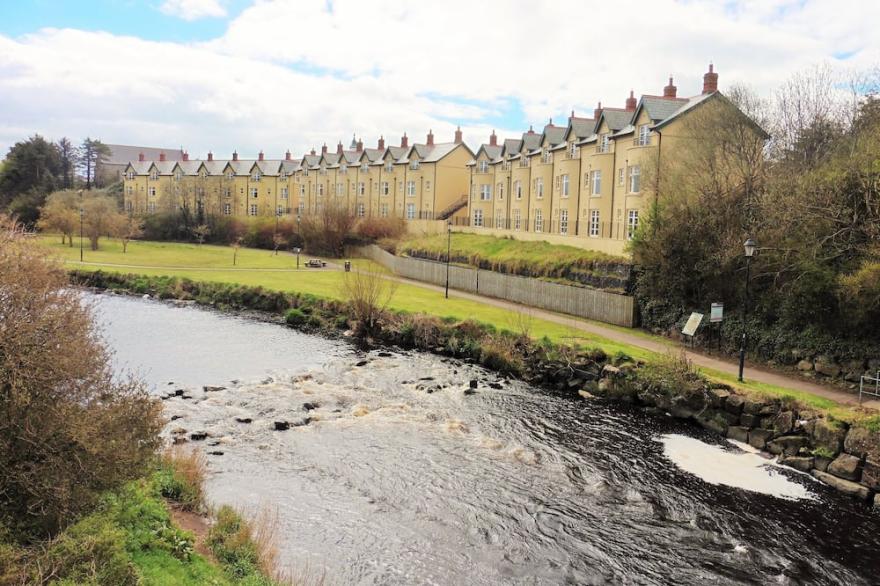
(183, 477)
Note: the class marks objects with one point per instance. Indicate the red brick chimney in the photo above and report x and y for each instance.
(493, 139)
(210, 156)
(570, 118)
(260, 156)
(185, 156)
(312, 152)
(404, 141)
(360, 146)
(141, 157)
(597, 111)
(631, 102)
(287, 156)
(458, 138)
(670, 90)
(710, 81)
(531, 130)
(381, 145)
(339, 148)
(430, 139)
(161, 157)
(234, 155)
(324, 149)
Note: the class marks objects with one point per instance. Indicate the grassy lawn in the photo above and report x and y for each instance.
(262, 268)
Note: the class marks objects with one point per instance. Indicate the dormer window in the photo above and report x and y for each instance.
(230, 175)
(604, 143)
(483, 166)
(365, 168)
(256, 176)
(389, 167)
(414, 165)
(177, 175)
(343, 169)
(546, 157)
(154, 174)
(523, 160)
(644, 138)
(572, 151)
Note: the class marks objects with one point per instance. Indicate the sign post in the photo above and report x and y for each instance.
(716, 316)
(690, 328)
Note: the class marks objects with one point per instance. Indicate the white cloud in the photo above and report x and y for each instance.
(297, 74)
(193, 9)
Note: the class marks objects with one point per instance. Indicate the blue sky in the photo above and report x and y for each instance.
(277, 74)
(140, 18)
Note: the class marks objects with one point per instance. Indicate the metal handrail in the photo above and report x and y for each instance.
(869, 379)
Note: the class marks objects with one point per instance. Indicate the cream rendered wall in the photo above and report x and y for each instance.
(477, 180)
(544, 172)
(501, 195)
(523, 175)
(451, 178)
(564, 164)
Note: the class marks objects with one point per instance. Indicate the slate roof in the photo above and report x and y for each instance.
(120, 154)
(616, 119)
(659, 108)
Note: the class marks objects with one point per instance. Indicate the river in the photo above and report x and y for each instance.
(392, 474)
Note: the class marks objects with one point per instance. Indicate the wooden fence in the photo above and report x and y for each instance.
(612, 308)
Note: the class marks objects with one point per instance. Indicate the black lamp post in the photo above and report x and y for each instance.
(297, 251)
(80, 225)
(448, 252)
(750, 248)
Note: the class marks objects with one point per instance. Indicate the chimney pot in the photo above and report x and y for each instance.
(493, 139)
(210, 156)
(531, 130)
(141, 157)
(404, 141)
(161, 157)
(287, 155)
(631, 102)
(458, 138)
(597, 111)
(360, 146)
(312, 152)
(324, 148)
(260, 156)
(670, 90)
(430, 139)
(381, 145)
(185, 156)
(339, 148)
(710, 80)
(234, 155)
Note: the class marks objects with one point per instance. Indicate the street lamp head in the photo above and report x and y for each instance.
(449, 226)
(751, 247)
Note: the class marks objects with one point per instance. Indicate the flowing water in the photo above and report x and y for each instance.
(391, 474)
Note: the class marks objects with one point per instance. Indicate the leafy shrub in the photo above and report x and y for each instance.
(295, 317)
(181, 478)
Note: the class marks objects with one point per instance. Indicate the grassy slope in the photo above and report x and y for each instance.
(260, 268)
(542, 255)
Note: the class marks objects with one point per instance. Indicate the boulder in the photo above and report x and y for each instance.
(310, 406)
(804, 365)
(302, 422)
(729, 418)
(846, 466)
(712, 421)
(717, 397)
(828, 435)
(281, 425)
(845, 486)
(748, 420)
(788, 445)
(740, 434)
(176, 417)
(470, 391)
(734, 403)
(802, 463)
(871, 474)
(862, 442)
(781, 423)
(826, 366)
(586, 394)
(474, 383)
(752, 407)
(215, 453)
(362, 363)
(758, 437)
(610, 370)
(821, 463)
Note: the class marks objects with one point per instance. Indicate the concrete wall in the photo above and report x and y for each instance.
(593, 304)
(606, 245)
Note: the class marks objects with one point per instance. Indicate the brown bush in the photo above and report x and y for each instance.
(379, 228)
(68, 429)
(326, 231)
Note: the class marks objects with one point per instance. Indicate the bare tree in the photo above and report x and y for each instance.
(131, 229)
(201, 232)
(101, 217)
(236, 244)
(61, 214)
(368, 295)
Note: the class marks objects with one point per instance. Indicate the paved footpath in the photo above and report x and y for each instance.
(659, 345)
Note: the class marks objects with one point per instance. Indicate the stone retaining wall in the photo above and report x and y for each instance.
(843, 456)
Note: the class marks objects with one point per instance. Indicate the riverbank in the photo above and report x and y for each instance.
(840, 447)
(154, 531)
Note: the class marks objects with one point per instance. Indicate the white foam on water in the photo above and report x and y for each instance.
(745, 469)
